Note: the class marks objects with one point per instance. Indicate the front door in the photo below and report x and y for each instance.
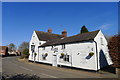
(54, 62)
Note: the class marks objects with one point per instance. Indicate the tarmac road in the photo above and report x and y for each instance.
(11, 65)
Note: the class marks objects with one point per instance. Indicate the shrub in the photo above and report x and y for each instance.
(26, 52)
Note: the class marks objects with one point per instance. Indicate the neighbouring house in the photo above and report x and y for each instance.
(86, 51)
(13, 52)
(3, 50)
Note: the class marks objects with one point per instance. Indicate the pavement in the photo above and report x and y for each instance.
(13, 65)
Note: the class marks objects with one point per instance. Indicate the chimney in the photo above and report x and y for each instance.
(50, 30)
(64, 33)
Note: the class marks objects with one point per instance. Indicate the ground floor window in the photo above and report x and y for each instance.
(32, 49)
(65, 57)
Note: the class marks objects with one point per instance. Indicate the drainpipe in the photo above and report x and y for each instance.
(96, 54)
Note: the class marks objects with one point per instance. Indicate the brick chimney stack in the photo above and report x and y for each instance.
(50, 30)
(64, 33)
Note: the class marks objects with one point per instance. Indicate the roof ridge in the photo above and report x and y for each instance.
(48, 32)
(71, 39)
(83, 33)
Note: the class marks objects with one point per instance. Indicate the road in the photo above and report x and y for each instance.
(11, 65)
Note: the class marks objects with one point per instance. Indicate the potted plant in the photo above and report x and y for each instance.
(35, 54)
(62, 55)
(91, 54)
(46, 54)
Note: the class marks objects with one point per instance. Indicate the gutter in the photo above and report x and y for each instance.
(96, 54)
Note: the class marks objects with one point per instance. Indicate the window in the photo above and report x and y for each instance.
(92, 49)
(101, 41)
(52, 48)
(39, 43)
(63, 46)
(32, 48)
(43, 48)
(66, 58)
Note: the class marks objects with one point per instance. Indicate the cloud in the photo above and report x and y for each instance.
(105, 26)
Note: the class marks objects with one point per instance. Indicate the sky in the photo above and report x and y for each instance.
(20, 19)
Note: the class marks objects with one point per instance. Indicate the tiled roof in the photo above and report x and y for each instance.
(45, 36)
(72, 39)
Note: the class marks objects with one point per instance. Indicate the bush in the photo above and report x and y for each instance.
(26, 53)
(22, 57)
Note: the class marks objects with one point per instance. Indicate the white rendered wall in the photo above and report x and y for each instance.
(103, 48)
(49, 52)
(34, 41)
(80, 52)
(76, 60)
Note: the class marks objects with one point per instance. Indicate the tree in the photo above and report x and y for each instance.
(114, 50)
(107, 37)
(23, 45)
(11, 47)
(84, 29)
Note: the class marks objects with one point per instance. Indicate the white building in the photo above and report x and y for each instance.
(86, 51)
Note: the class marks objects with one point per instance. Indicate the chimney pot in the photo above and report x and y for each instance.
(64, 33)
(50, 30)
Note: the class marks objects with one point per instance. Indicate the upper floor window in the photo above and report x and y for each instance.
(39, 43)
(43, 48)
(101, 41)
(52, 48)
(63, 46)
(32, 48)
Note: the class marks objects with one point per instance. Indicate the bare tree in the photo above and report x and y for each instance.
(23, 45)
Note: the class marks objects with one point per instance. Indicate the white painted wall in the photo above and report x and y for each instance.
(78, 60)
(102, 47)
(47, 50)
(78, 53)
(34, 41)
